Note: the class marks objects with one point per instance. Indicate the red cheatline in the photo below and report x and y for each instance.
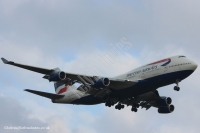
(159, 61)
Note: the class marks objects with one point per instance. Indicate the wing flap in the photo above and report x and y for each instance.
(45, 94)
(118, 84)
(115, 84)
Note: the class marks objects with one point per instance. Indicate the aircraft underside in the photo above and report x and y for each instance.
(144, 86)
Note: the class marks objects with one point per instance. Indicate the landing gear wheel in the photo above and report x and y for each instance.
(119, 106)
(136, 105)
(108, 104)
(134, 109)
(176, 88)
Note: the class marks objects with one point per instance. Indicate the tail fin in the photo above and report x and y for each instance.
(60, 87)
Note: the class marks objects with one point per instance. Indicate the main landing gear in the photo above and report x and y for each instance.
(177, 88)
(109, 103)
(119, 106)
(134, 107)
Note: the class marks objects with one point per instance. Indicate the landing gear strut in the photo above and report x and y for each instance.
(109, 102)
(177, 88)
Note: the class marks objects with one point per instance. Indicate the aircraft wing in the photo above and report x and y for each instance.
(31, 68)
(43, 70)
(115, 84)
(118, 84)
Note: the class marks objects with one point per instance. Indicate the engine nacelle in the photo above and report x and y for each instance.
(163, 101)
(103, 82)
(57, 76)
(166, 109)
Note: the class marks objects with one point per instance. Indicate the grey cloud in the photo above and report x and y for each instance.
(48, 32)
(71, 26)
(13, 114)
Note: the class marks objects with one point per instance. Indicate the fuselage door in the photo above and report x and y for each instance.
(165, 69)
(179, 66)
(143, 75)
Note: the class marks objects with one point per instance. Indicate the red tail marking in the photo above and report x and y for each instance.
(63, 90)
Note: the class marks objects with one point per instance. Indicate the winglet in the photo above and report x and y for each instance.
(4, 60)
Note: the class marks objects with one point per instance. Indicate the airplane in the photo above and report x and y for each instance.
(136, 88)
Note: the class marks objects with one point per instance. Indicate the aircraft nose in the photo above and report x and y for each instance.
(194, 65)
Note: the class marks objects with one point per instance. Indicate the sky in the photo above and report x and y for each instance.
(105, 38)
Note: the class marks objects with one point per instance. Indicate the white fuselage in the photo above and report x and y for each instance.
(170, 65)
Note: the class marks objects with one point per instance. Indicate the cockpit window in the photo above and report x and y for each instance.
(181, 56)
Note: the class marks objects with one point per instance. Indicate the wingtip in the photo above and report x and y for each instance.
(4, 60)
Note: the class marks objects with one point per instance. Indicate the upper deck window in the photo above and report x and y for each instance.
(181, 56)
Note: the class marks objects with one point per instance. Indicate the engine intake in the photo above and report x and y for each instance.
(166, 109)
(164, 101)
(103, 82)
(57, 76)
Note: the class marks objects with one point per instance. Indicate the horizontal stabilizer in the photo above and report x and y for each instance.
(45, 94)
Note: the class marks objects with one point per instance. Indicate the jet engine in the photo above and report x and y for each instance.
(166, 109)
(103, 82)
(57, 76)
(163, 101)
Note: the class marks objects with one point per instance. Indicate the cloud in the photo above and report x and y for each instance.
(77, 37)
(57, 125)
(13, 114)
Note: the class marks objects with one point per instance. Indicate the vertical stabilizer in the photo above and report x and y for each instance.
(60, 87)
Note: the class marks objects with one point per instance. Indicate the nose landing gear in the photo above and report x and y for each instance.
(177, 88)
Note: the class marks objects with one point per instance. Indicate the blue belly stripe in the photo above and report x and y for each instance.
(143, 86)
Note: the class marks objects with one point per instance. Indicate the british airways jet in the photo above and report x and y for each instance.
(136, 88)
